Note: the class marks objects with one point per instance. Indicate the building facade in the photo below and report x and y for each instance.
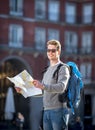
(26, 26)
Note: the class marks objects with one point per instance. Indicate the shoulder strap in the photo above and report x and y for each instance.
(57, 70)
(45, 69)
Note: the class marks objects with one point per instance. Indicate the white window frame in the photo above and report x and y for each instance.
(87, 42)
(53, 10)
(15, 36)
(71, 42)
(16, 7)
(53, 34)
(86, 69)
(87, 13)
(40, 38)
(70, 13)
(40, 9)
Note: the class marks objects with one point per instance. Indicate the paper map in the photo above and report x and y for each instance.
(24, 81)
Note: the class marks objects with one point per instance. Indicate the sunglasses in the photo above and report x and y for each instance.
(51, 50)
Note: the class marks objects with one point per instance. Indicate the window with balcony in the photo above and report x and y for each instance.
(16, 7)
(86, 42)
(70, 13)
(71, 42)
(85, 69)
(53, 34)
(53, 10)
(40, 38)
(40, 9)
(87, 13)
(15, 36)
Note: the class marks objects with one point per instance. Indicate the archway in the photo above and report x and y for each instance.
(10, 66)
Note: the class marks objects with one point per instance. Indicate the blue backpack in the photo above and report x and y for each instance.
(72, 94)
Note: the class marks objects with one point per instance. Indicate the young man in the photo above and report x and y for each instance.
(53, 108)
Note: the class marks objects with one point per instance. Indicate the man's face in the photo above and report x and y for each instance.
(52, 52)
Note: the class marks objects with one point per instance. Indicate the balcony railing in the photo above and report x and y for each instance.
(80, 51)
(86, 51)
(67, 19)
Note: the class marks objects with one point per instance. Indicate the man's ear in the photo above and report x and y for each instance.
(59, 52)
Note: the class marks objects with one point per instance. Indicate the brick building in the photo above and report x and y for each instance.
(26, 26)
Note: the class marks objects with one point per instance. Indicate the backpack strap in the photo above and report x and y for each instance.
(45, 69)
(57, 70)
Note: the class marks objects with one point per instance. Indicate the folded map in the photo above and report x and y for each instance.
(24, 81)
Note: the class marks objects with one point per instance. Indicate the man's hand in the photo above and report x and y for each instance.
(37, 84)
(18, 90)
